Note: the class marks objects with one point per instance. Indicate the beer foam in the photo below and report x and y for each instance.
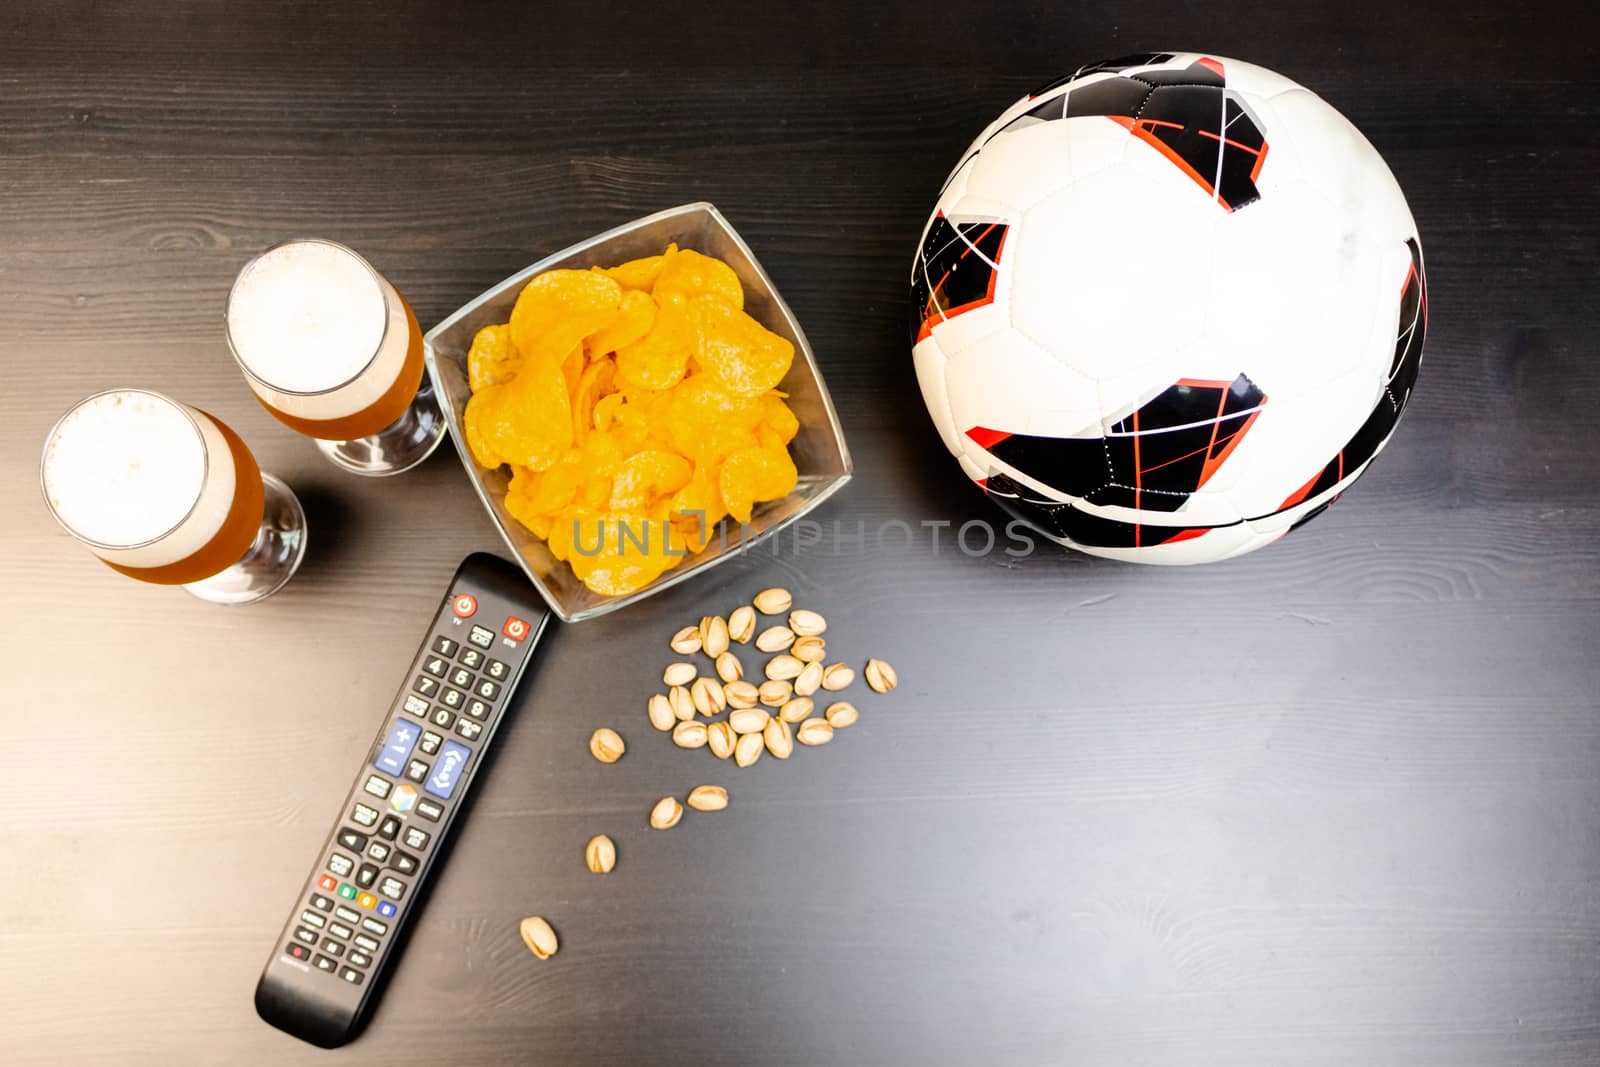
(306, 317)
(124, 468)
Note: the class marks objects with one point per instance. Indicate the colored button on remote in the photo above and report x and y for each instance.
(447, 770)
(404, 798)
(397, 748)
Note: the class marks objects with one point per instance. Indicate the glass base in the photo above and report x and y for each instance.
(408, 441)
(270, 561)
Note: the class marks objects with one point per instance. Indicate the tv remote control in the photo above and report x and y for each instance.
(325, 973)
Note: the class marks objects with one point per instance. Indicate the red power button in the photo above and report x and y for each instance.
(516, 629)
(464, 605)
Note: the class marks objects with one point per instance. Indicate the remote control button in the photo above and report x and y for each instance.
(389, 827)
(349, 915)
(430, 743)
(347, 891)
(360, 959)
(415, 705)
(416, 837)
(425, 685)
(461, 677)
(323, 903)
(378, 852)
(328, 882)
(351, 840)
(470, 657)
(338, 929)
(488, 690)
(397, 747)
(305, 937)
(516, 628)
(430, 810)
(341, 864)
(404, 862)
(363, 815)
(477, 708)
(447, 772)
(390, 887)
(469, 729)
(299, 952)
(497, 670)
(373, 926)
(443, 718)
(367, 875)
(312, 919)
(444, 646)
(452, 698)
(436, 666)
(416, 770)
(365, 943)
(387, 910)
(481, 637)
(404, 799)
(378, 787)
(351, 975)
(367, 900)
(332, 947)
(464, 605)
(323, 963)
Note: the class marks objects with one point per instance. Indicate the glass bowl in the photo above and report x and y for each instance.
(818, 450)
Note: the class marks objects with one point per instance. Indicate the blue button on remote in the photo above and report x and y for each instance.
(397, 748)
(447, 771)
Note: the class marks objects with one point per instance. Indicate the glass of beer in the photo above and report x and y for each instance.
(165, 493)
(333, 351)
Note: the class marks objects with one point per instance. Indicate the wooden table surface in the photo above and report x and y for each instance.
(1334, 803)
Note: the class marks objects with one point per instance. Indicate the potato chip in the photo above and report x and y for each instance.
(605, 410)
(572, 372)
(697, 507)
(544, 492)
(617, 552)
(562, 526)
(744, 357)
(775, 414)
(639, 273)
(559, 308)
(752, 475)
(492, 360)
(643, 478)
(527, 421)
(659, 359)
(690, 274)
(715, 443)
(638, 315)
(596, 380)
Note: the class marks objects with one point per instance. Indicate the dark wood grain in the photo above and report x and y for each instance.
(1330, 804)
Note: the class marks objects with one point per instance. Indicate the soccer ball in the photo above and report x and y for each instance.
(1168, 308)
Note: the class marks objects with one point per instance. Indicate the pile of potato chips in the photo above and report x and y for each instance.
(637, 406)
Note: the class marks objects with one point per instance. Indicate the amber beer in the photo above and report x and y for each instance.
(330, 348)
(159, 491)
(164, 493)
